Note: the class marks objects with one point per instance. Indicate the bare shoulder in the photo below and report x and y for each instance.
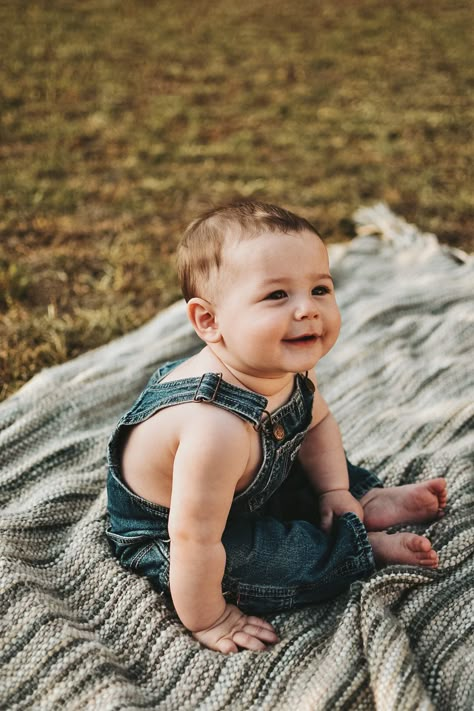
(213, 426)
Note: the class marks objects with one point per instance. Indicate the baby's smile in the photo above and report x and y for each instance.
(306, 338)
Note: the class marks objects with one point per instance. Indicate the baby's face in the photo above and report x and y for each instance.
(275, 304)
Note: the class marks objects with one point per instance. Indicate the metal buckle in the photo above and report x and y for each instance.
(200, 398)
(263, 419)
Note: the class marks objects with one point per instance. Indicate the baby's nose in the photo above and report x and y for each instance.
(306, 308)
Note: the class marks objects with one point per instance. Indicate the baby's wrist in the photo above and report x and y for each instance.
(341, 490)
(198, 628)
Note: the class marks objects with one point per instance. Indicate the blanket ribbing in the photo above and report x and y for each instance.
(79, 632)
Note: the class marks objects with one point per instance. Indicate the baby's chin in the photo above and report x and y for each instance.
(306, 351)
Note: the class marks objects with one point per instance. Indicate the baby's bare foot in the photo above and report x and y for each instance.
(403, 548)
(411, 503)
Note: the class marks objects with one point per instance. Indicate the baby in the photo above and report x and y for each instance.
(228, 483)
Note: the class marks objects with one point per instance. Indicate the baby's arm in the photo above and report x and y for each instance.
(212, 455)
(324, 461)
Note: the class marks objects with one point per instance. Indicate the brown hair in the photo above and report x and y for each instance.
(200, 250)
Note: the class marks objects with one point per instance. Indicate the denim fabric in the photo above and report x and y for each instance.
(276, 555)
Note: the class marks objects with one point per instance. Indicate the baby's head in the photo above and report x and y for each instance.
(259, 292)
(200, 254)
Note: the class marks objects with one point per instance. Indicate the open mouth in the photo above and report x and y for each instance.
(309, 338)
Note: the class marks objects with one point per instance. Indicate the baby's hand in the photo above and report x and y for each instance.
(233, 629)
(336, 503)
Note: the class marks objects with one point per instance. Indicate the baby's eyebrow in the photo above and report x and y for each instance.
(278, 280)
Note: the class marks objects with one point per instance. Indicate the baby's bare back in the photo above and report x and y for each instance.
(151, 447)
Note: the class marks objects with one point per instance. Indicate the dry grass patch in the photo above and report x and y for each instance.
(121, 120)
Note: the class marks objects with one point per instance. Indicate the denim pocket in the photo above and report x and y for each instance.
(133, 540)
(153, 561)
(143, 553)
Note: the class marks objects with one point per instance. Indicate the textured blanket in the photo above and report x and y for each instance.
(79, 632)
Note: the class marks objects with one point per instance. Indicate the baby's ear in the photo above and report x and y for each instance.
(202, 316)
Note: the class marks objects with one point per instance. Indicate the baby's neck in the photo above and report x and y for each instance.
(265, 385)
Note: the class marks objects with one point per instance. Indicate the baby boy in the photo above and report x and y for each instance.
(228, 482)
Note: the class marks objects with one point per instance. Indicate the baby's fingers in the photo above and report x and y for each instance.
(262, 631)
(258, 622)
(226, 646)
(250, 637)
(246, 640)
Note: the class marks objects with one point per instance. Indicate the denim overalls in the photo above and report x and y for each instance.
(277, 557)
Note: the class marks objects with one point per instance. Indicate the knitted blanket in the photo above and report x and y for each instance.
(80, 632)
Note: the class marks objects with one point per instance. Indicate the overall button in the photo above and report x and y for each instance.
(279, 432)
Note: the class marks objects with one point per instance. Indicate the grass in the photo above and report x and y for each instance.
(120, 121)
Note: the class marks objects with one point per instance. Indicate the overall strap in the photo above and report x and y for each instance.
(213, 389)
(209, 388)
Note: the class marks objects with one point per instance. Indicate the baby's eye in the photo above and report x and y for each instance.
(321, 290)
(276, 295)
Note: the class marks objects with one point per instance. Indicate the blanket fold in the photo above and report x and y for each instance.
(79, 632)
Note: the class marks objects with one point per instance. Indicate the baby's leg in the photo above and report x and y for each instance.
(410, 503)
(273, 564)
(402, 504)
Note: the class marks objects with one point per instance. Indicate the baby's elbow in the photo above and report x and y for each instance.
(180, 532)
(185, 535)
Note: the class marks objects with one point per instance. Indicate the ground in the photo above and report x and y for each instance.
(120, 121)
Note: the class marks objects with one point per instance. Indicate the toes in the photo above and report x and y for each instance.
(439, 488)
(425, 554)
(420, 544)
(439, 483)
(429, 561)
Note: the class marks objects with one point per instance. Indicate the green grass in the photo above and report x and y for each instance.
(120, 121)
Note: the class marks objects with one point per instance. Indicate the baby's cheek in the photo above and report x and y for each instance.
(336, 320)
(332, 334)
